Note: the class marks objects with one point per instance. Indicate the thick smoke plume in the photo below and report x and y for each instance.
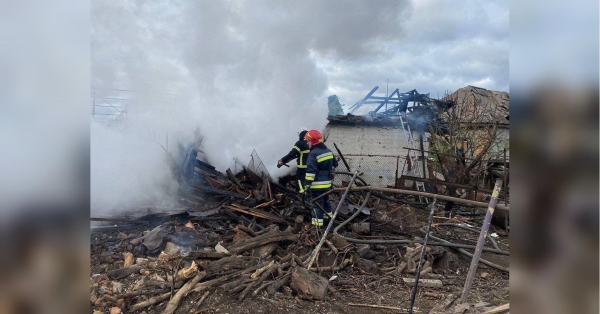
(242, 73)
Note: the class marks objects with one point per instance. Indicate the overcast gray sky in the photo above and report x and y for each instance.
(318, 47)
(435, 46)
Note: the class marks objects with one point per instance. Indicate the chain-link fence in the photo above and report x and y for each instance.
(377, 170)
(257, 166)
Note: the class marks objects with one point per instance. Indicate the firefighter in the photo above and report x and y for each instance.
(299, 151)
(319, 179)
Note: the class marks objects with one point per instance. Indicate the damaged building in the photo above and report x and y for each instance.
(390, 143)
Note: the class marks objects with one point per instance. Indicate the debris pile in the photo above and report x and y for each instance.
(243, 244)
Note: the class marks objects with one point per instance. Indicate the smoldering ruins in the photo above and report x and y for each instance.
(419, 181)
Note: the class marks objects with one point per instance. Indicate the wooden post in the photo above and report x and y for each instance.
(337, 209)
(342, 157)
(418, 271)
(504, 188)
(505, 182)
(481, 241)
(396, 177)
(422, 155)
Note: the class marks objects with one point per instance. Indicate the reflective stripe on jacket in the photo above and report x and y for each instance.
(319, 164)
(299, 151)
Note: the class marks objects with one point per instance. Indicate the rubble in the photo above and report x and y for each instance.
(248, 242)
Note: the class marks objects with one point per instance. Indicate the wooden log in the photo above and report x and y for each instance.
(135, 293)
(279, 283)
(308, 285)
(246, 230)
(258, 213)
(205, 255)
(208, 284)
(269, 228)
(426, 271)
(269, 237)
(432, 283)
(500, 309)
(259, 271)
(265, 250)
(257, 195)
(338, 240)
(379, 306)
(343, 265)
(224, 264)
(240, 234)
(241, 287)
(196, 306)
(261, 287)
(298, 224)
(187, 273)
(362, 228)
(153, 283)
(419, 193)
(366, 265)
(332, 247)
(208, 189)
(151, 301)
(233, 179)
(174, 302)
(127, 259)
(480, 242)
(228, 287)
(262, 278)
(124, 272)
(229, 213)
(400, 268)
(298, 260)
(264, 204)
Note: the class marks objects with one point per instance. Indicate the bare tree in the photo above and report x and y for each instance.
(474, 130)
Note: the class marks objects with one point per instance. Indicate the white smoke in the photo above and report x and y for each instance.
(242, 72)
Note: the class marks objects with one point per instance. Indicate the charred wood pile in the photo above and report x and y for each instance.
(247, 238)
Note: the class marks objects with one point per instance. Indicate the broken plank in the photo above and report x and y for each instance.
(269, 237)
(229, 213)
(124, 272)
(124, 220)
(206, 255)
(378, 306)
(500, 309)
(218, 191)
(258, 213)
(432, 283)
(233, 179)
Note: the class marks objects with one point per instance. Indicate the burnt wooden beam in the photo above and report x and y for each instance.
(450, 184)
(418, 193)
(204, 188)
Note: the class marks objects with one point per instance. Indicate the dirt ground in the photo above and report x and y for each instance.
(351, 285)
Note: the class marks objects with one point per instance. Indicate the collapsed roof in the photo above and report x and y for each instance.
(481, 105)
(418, 109)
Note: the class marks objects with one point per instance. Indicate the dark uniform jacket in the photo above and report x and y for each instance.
(319, 165)
(300, 151)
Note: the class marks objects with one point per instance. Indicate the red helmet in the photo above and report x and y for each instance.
(314, 137)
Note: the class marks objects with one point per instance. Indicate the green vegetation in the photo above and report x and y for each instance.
(335, 108)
